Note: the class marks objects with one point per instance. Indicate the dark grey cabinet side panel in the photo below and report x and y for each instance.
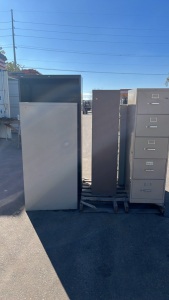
(122, 153)
(105, 120)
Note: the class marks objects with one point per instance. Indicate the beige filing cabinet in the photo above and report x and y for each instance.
(147, 145)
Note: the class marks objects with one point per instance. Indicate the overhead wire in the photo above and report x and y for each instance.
(96, 27)
(87, 53)
(84, 63)
(5, 28)
(97, 72)
(75, 40)
(5, 35)
(87, 33)
(88, 13)
(6, 45)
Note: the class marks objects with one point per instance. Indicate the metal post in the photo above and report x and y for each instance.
(13, 38)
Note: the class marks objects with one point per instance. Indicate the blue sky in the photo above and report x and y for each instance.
(96, 36)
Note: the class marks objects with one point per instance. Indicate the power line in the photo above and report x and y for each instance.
(70, 32)
(86, 13)
(4, 46)
(6, 22)
(98, 27)
(72, 62)
(97, 72)
(5, 28)
(88, 53)
(74, 40)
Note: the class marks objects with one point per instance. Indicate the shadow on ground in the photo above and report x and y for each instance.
(13, 205)
(11, 178)
(107, 256)
(96, 256)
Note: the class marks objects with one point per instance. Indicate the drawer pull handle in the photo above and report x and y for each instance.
(151, 126)
(150, 149)
(153, 103)
(149, 170)
(145, 190)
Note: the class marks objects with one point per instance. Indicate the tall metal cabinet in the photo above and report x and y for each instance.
(50, 113)
(147, 145)
(49, 151)
(105, 122)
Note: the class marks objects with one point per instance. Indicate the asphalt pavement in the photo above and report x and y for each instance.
(79, 256)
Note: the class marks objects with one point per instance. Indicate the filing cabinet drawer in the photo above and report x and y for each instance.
(153, 102)
(147, 189)
(151, 147)
(148, 125)
(149, 168)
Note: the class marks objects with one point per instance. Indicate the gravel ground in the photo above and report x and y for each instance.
(72, 255)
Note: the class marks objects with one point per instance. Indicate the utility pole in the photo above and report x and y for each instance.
(13, 36)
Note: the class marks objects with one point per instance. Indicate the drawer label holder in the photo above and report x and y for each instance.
(149, 163)
(153, 120)
(155, 96)
(147, 184)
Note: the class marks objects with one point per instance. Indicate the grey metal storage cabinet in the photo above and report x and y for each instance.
(122, 142)
(49, 150)
(13, 96)
(55, 103)
(105, 121)
(147, 145)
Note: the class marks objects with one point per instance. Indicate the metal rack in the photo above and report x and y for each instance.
(118, 203)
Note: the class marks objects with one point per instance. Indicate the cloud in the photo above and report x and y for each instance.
(87, 94)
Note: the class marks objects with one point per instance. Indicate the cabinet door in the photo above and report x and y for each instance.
(153, 101)
(105, 122)
(49, 147)
(151, 147)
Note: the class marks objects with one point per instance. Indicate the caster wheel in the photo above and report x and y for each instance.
(162, 209)
(115, 206)
(126, 207)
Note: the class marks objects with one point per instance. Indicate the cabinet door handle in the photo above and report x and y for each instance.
(151, 126)
(149, 170)
(150, 149)
(145, 190)
(153, 103)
